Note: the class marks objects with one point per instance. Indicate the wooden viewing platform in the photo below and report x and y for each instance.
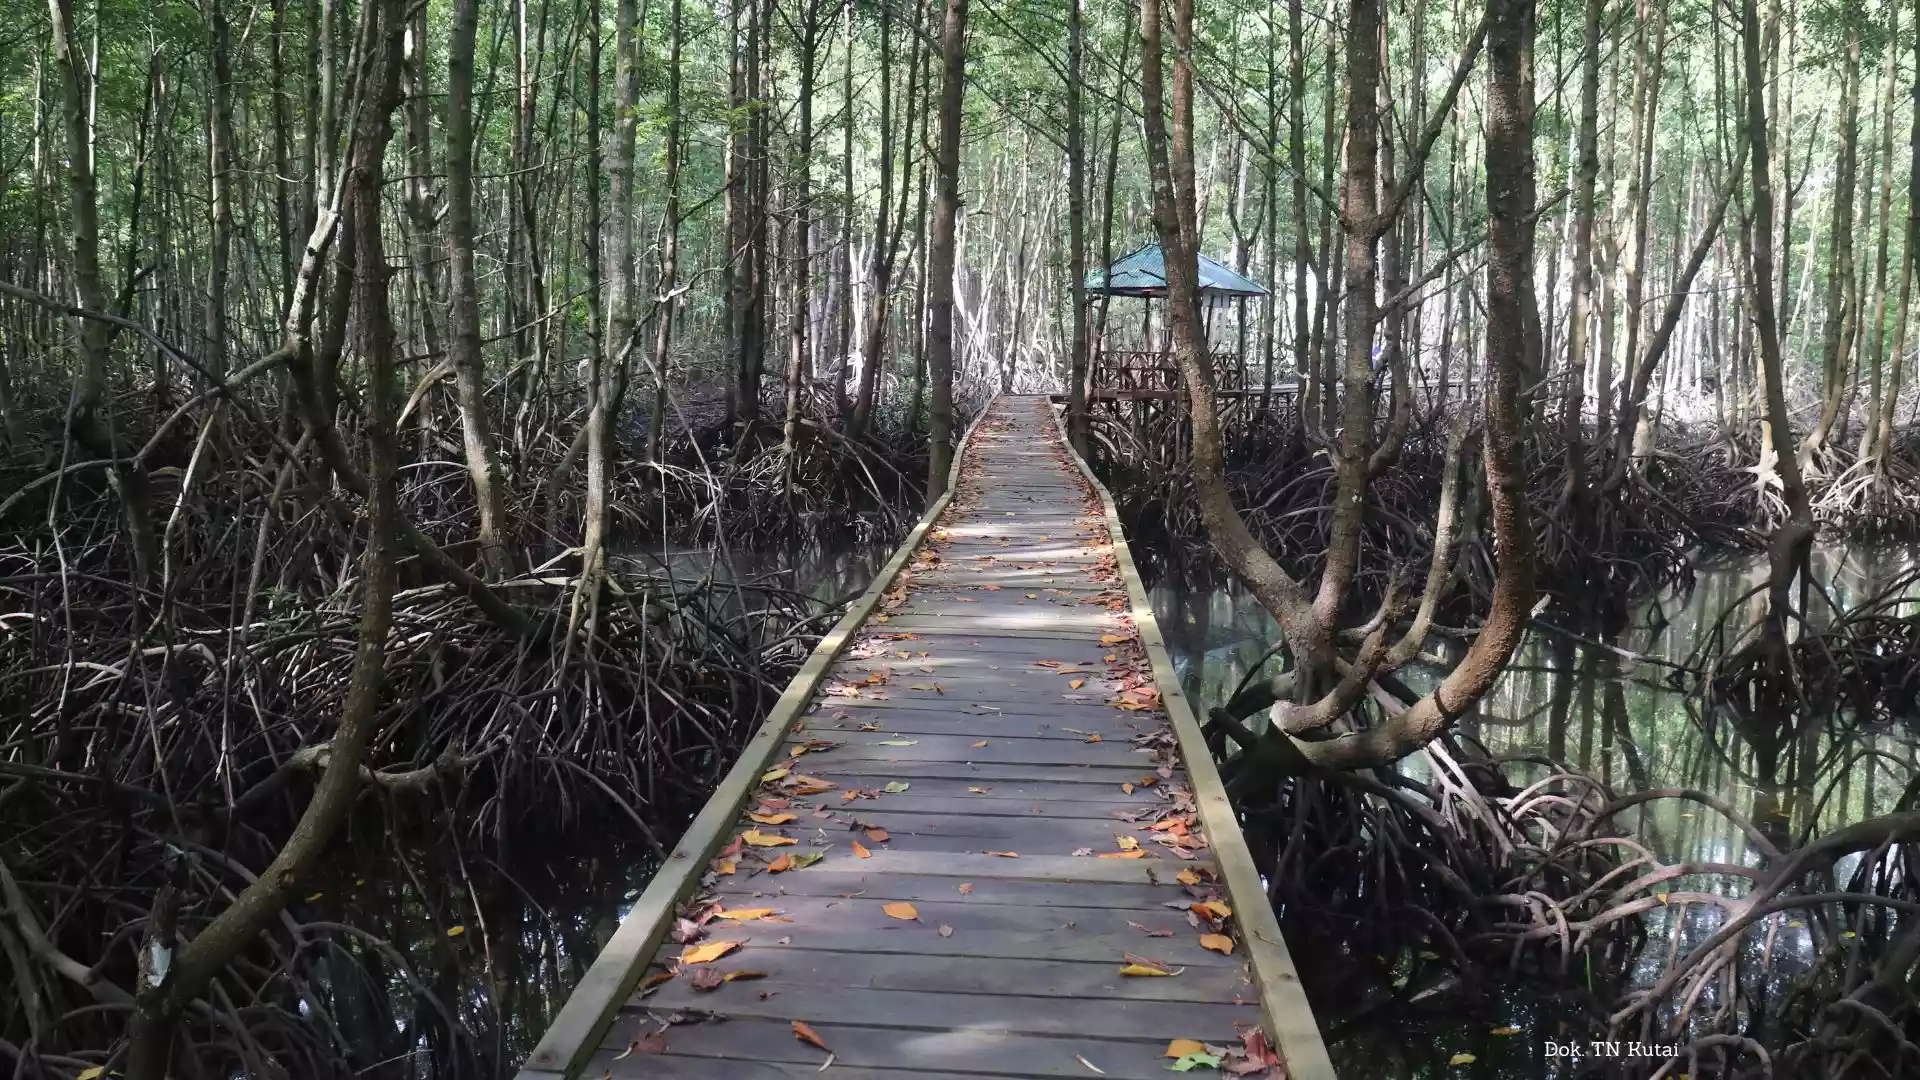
(980, 835)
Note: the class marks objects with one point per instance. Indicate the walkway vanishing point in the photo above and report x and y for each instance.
(965, 843)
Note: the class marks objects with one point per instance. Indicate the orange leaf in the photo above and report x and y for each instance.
(1219, 943)
(860, 850)
(878, 836)
(1187, 877)
(732, 975)
(1213, 909)
(1005, 854)
(1128, 788)
(759, 839)
(809, 1036)
(709, 951)
(966, 888)
(902, 910)
(744, 914)
(1076, 684)
(1180, 1048)
(784, 862)
(725, 866)
(769, 819)
(1136, 853)
(1142, 970)
(1112, 639)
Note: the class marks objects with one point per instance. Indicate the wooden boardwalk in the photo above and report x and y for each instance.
(966, 845)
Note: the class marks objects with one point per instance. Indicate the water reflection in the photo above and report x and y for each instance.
(1611, 705)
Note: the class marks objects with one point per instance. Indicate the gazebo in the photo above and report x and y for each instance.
(1147, 372)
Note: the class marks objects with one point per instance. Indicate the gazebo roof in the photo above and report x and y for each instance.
(1144, 273)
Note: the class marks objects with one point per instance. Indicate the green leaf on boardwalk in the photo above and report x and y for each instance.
(1196, 1061)
(895, 787)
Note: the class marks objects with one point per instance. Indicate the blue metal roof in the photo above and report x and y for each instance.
(1144, 273)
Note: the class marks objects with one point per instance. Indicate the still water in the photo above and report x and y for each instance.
(1603, 706)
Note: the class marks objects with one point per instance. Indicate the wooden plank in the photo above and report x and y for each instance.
(1288, 1014)
(852, 880)
(1012, 1013)
(991, 1053)
(574, 1032)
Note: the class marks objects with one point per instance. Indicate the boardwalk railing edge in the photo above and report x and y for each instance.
(576, 1030)
(1283, 1002)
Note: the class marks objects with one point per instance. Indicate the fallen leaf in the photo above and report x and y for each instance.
(1187, 877)
(744, 914)
(1127, 843)
(902, 910)
(1462, 1058)
(1134, 854)
(1112, 639)
(1075, 684)
(945, 930)
(1213, 909)
(878, 836)
(781, 864)
(861, 850)
(1180, 1048)
(1128, 788)
(456, 931)
(1143, 969)
(756, 838)
(743, 976)
(655, 1043)
(705, 953)
(979, 744)
(769, 819)
(809, 1036)
(774, 776)
(966, 888)
(1219, 943)
(707, 980)
(895, 787)
(808, 859)
(897, 742)
(978, 790)
(1506, 1030)
(1195, 1061)
(1003, 854)
(1082, 1060)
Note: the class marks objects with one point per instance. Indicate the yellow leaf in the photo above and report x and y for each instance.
(1004, 854)
(770, 819)
(1180, 1048)
(1142, 970)
(1128, 788)
(456, 931)
(861, 850)
(1187, 877)
(980, 744)
(902, 910)
(94, 1073)
(744, 914)
(760, 839)
(978, 790)
(1219, 943)
(1462, 1058)
(1508, 1029)
(1134, 854)
(1848, 934)
(1112, 639)
(732, 975)
(1075, 684)
(1213, 909)
(725, 866)
(774, 776)
(1660, 896)
(1127, 843)
(1796, 924)
(315, 896)
(707, 952)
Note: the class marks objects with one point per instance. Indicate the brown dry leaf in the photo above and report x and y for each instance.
(744, 914)
(756, 838)
(1180, 1048)
(784, 862)
(770, 819)
(705, 953)
(966, 887)
(1003, 854)
(878, 836)
(1128, 788)
(1112, 639)
(809, 1036)
(1187, 877)
(807, 785)
(1076, 684)
(1136, 853)
(1143, 970)
(902, 910)
(733, 976)
(707, 980)
(1093, 738)
(724, 867)
(861, 850)
(1213, 909)
(1219, 943)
